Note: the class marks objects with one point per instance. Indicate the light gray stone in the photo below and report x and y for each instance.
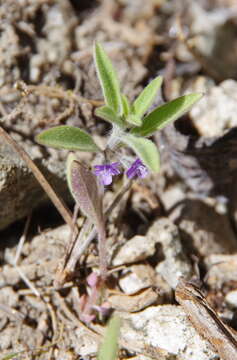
(221, 269)
(212, 38)
(216, 111)
(137, 277)
(231, 299)
(176, 263)
(136, 249)
(164, 331)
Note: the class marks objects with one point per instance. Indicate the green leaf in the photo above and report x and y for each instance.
(146, 97)
(134, 119)
(125, 105)
(145, 149)
(108, 78)
(108, 114)
(166, 113)
(67, 137)
(109, 348)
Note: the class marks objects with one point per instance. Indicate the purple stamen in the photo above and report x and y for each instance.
(137, 169)
(106, 172)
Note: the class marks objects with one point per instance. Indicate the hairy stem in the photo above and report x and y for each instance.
(102, 250)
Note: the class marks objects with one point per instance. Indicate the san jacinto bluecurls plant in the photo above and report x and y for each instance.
(131, 128)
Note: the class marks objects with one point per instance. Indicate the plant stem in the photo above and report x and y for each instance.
(102, 250)
(115, 137)
(88, 234)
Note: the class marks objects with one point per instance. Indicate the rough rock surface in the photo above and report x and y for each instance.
(205, 231)
(136, 249)
(231, 299)
(216, 112)
(175, 263)
(152, 332)
(222, 269)
(137, 277)
(213, 40)
(20, 192)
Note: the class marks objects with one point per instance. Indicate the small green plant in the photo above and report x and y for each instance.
(109, 347)
(131, 128)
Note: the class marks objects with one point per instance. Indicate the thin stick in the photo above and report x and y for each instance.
(54, 92)
(12, 312)
(57, 201)
(73, 234)
(65, 271)
(27, 282)
(70, 315)
(22, 239)
(117, 198)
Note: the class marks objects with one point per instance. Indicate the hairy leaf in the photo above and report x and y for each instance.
(134, 119)
(84, 188)
(146, 97)
(166, 113)
(70, 158)
(108, 78)
(146, 151)
(109, 348)
(108, 114)
(67, 137)
(125, 105)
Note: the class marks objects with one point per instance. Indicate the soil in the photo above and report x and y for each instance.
(180, 222)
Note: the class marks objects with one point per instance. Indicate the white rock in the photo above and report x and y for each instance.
(216, 111)
(137, 277)
(166, 328)
(136, 249)
(231, 298)
(175, 264)
(221, 269)
(173, 195)
(140, 357)
(84, 343)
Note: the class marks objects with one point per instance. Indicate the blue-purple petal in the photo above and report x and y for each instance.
(106, 178)
(137, 169)
(131, 173)
(106, 171)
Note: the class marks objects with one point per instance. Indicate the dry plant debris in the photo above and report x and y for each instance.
(169, 228)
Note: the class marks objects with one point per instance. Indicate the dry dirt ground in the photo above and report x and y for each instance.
(179, 224)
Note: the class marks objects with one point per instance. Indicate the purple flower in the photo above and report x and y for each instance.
(137, 169)
(106, 172)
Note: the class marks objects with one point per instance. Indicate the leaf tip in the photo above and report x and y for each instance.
(198, 95)
(38, 138)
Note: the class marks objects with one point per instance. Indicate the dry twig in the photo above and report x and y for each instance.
(59, 204)
(206, 321)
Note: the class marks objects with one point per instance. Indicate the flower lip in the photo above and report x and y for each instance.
(106, 172)
(137, 169)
